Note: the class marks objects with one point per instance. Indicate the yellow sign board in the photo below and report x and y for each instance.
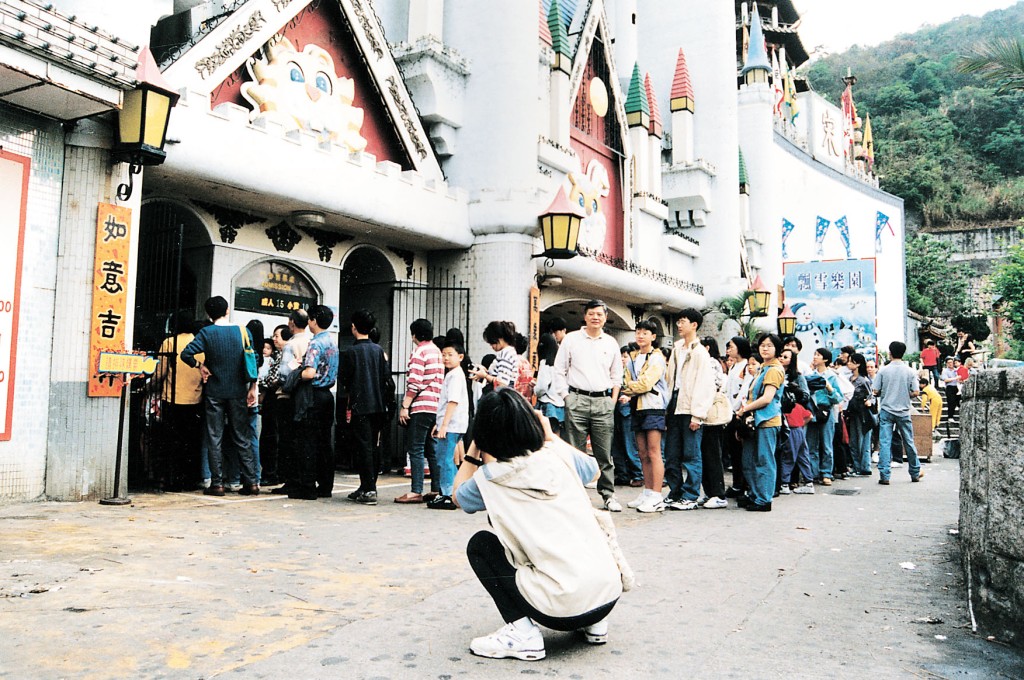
(109, 295)
(113, 362)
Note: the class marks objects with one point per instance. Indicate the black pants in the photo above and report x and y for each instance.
(181, 438)
(841, 460)
(734, 447)
(288, 442)
(269, 438)
(952, 401)
(365, 430)
(315, 455)
(498, 577)
(713, 477)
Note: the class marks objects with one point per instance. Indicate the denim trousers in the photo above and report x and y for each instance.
(683, 454)
(594, 416)
(888, 422)
(759, 464)
(420, 445)
(624, 451)
(228, 421)
(860, 444)
(819, 441)
(444, 450)
(797, 455)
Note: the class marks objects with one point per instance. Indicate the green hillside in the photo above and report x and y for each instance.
(946, 142)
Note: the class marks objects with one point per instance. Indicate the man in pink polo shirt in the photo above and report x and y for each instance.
(419, 407)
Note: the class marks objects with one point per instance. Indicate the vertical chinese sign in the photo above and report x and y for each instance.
(109, 296)
(534, 328)
(14, 173)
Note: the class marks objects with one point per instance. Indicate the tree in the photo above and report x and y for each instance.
(936, 286)
(1008, 282)
(999, 61)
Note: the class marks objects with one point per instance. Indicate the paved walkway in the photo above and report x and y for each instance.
(185, 586)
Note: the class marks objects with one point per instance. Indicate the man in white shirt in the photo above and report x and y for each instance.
(589, 362)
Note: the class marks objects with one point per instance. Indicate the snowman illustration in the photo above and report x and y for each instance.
(807, 331)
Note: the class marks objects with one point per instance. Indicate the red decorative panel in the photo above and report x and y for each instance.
(322, 24)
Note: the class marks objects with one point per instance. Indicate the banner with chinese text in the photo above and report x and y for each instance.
(834, 303)
(14, 174)
(109, 295)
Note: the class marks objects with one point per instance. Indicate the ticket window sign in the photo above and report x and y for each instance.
(14, 174)
(274, 288)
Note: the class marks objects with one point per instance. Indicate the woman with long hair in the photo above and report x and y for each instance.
(644, 383)
(550, 388)
(501, 336)
(859, 416)
(796, 454)
(736, 385)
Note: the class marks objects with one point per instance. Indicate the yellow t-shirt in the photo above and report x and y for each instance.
(773, 378)
(188, 383)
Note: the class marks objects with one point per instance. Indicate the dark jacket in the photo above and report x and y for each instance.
(361, 373)
(225, 359)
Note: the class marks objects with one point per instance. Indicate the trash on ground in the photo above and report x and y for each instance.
(908, 565)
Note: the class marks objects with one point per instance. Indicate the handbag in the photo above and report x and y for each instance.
(720, 412)
(252, 370)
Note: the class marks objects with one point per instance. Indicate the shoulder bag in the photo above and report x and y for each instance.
(251, 368)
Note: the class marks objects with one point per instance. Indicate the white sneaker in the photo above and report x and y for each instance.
(652, 503)
(640, 499)
(807, 488)
(207, 482)
(233, 487)
(591, 485)
(509, 641)
(785, 490)
(612, 505)
(874, 457)
(597, 634)
(715, 503)
(682, 505)
(896, 463)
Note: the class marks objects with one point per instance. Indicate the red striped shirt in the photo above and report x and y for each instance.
(423, 383)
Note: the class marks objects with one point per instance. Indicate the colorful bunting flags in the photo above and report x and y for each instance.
(844, 234)
(787, 229)
(881, 222)
(820, 229)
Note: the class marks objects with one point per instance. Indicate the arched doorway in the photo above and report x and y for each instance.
(174, 257)
(367, 279)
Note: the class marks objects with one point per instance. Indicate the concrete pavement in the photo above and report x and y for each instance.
(186, 586)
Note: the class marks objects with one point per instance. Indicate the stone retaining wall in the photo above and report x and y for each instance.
(992, 501)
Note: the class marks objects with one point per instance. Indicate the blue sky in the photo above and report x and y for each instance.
(828, 23)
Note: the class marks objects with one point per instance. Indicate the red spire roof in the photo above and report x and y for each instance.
(682, 87)
(652, 101)
(545, 32)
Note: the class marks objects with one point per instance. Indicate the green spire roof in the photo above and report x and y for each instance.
(744, 177)
(559, 36)
(638, 109)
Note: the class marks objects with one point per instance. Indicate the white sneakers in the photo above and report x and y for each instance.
(647, 501)
(715, 503)
(518, 640)
(807, 488)
(597, 634)
(612, 505)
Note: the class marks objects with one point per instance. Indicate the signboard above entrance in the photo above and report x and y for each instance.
(273, 287)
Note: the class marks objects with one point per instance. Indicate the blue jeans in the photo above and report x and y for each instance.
(421, 444)
(759, 464)
(232, 474)
(819, 441)
(860, 445)
(444, 451)
(682, 452)
(888, 421)
(624, 451)
(796, 454)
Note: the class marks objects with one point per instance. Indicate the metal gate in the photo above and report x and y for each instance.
(162, 295)
(445, 306)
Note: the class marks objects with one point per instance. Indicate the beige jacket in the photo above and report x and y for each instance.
(694, 378)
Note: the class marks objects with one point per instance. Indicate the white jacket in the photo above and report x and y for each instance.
(696, 384)
(543, 517)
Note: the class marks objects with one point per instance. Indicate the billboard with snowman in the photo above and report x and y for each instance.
(834, 304)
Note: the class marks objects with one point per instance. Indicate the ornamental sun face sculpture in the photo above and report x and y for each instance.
(302, 91)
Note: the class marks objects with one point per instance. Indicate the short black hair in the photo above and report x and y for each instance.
(712, 346)
(286, 333)
(897, 349)
(547, 349)
(323, 315)
(691, 315)
(455, 335)
(742, 346)
(792, 338)
(557, 323)
(364, 321)
(500, 330)
(774, 339)
(593, 304)
(216, 307)
(422, 329)
(299, 317)
(825, 354)
(648, 325)
(459, 349)
(506, 426)
(440, 341)
(849, 350)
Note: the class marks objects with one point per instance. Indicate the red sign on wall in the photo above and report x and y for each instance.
(14, 173)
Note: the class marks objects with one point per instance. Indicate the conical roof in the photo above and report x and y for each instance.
(682, 87)
(638, 109)
(652, 102)
(757, 56)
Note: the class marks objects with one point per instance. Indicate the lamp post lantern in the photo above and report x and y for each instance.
(786, 321)
(142, 121)
(560, 228)
(759, 298)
